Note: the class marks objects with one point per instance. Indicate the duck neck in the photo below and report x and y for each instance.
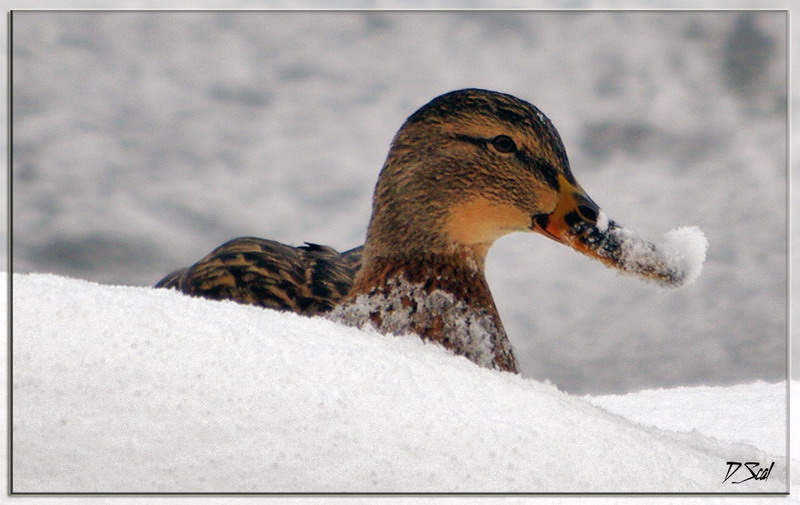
(442, 297)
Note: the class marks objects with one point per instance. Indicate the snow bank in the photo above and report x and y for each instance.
(699, 409)
(127, 389)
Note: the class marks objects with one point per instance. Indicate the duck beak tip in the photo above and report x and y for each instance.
(580, 224)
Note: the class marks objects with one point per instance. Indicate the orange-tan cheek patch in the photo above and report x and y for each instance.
(482, 221)
(548, 200)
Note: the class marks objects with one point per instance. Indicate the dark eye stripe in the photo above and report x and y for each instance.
(472, 140)
(542, 167)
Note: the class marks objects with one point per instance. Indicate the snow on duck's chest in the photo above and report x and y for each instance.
(401, 307)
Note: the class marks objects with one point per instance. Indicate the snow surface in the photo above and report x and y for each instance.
(136, 389)
(144, 140)
(658, 407)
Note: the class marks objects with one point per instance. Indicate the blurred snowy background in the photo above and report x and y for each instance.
(141, 140)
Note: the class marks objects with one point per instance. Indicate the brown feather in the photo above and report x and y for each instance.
(309, 279)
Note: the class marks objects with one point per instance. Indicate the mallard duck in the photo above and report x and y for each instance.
(464, 170)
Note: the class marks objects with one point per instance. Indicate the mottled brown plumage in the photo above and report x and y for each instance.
(406, 287)
(464, 170)
(309, 279)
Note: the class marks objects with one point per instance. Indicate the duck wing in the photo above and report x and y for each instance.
(310, 279)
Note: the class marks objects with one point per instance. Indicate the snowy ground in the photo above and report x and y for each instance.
(129, 389)
(141, 141)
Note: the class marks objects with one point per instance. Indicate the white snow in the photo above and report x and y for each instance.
(602, 221)
(686, 249)
(658, 407)
(679, 258)
(134, 389)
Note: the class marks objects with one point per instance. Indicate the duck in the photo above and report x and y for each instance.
(464, 170)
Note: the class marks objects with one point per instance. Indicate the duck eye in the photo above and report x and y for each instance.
(504, 144)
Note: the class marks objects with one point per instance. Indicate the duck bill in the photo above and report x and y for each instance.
(578, 222)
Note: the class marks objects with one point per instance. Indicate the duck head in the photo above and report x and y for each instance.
(474, 165)
(464, 170)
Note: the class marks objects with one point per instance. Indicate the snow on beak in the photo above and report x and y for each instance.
(579, 223)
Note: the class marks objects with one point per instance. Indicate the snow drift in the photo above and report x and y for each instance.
(128, 389)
